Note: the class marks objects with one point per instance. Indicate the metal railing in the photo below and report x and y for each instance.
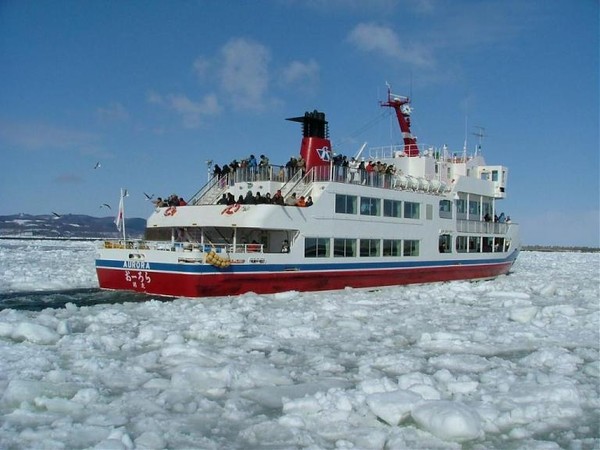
(478, 226)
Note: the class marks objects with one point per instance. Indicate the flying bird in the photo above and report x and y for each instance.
(149, 197)
(98, 165)
(105, 204)
(56, 214)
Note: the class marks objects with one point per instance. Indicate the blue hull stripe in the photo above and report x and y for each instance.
(314, 267)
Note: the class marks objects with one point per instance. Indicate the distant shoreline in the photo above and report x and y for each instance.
(559, 248)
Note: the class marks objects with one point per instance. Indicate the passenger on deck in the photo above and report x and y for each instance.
(285, 247)
(222, 200)
(173, 200)
(241, 199)
(252, 164)
(301, 165)
(267, 198)
(249, 199)
(301, 202)
(182, 202)
(278, 198)
(291, 200)
(230, 199)
(309, 201)
(290, 167)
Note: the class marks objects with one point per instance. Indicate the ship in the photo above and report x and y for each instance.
(386, 216)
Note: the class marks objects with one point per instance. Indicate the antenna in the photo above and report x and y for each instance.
(480, 133)
(465, 144)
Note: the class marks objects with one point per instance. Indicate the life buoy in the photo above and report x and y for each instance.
(171, 211)
(231, 209)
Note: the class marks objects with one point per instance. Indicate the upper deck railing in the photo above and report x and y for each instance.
(293, 180)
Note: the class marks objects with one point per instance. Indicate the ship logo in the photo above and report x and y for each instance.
(324, 153)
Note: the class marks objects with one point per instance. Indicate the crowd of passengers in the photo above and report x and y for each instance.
(295, 164)
(267, 199)
(497, 218)
(173, 200)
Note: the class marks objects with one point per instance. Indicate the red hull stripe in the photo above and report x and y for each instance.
(226, 282)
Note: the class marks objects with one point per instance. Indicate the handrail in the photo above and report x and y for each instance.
(479, 226)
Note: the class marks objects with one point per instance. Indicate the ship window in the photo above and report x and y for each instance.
(369, 247)
(345, 204)
(316, 247)
(487, 208)
(499, 245)
(344, 248)
(488, 244)
(411, 247)
(474, 244)
(494, 175)
(445, 243)
(411, 210)
(445, 209)
(370, 206)
(392, 208)
(392, 247)
(461, 244)
(474, 210)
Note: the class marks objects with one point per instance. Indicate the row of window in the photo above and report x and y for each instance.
(473, 244)
(318, 247)
(473, 207)
(371, 206)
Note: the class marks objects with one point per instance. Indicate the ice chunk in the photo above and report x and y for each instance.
(393, 407)
(447, 420)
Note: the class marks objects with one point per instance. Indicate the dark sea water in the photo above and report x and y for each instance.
(38, 301)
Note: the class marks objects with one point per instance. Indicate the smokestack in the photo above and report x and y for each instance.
(316, 146)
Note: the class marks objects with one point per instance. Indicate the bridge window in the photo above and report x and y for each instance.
(474, 210)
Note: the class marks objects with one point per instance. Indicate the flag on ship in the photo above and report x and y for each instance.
(121, 212)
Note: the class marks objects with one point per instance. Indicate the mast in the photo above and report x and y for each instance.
(402, 107)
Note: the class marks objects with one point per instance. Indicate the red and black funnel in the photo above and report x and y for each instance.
(316, 147)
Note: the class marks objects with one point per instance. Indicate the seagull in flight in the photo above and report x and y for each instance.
(149, 197)
(56, 214)
(105, 204)
(98, 165)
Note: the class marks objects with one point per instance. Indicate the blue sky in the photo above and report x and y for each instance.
(152, 89)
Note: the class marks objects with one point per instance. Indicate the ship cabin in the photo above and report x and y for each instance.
(436, 193)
